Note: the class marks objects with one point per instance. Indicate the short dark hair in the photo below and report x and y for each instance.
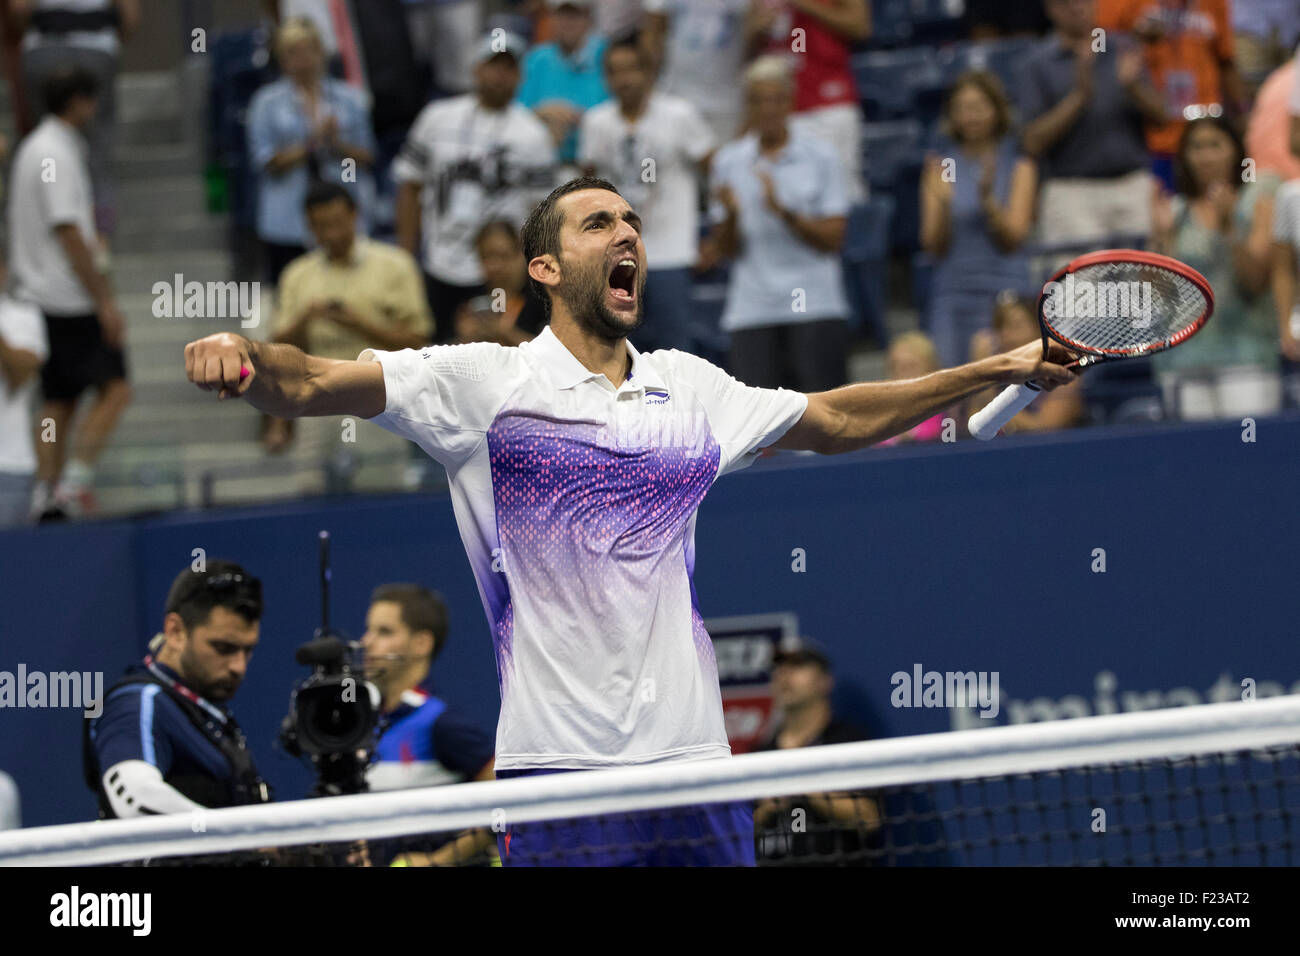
(65, 85)
(320, 193)
(422, 609)
(631, 41)
(194, 594)
(507, 229)
(1183, 178)
(541, 234)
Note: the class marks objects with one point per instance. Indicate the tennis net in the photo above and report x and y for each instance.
(1216, 784)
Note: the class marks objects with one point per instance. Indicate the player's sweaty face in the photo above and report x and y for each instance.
(602, 262)
(215, 660)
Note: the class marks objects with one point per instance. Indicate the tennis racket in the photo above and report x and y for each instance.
(1114, 304)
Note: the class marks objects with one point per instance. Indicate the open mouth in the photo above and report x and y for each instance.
(622, 280)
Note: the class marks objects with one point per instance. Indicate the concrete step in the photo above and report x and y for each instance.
(135, 162)
(196, 232)
(161, 199)
(136, 272)
(187, 421)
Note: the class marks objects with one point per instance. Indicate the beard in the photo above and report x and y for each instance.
(584, 291)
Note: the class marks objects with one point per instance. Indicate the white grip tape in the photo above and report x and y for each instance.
(1013, 399)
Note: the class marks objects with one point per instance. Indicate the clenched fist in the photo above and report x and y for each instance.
(221, 363)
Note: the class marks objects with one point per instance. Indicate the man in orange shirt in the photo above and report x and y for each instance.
(1189, 54)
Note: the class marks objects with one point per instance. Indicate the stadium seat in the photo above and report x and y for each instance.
(888, 80)
(888, 149)
(866, 264)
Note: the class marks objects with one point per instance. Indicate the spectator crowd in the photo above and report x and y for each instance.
(394, 155)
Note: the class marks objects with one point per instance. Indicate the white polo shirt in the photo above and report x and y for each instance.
(576, 503)
(49, 185)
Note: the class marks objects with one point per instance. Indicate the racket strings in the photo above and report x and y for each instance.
(1123, 308)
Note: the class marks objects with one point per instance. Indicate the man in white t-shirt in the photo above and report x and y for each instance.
(699, 48)
(469, 160)
(654, 147)
(23, 349)
(54, 252)
(577, 464)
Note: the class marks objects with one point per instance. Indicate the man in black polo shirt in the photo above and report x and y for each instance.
(820, 829)
(166, 742)
(1084, 110)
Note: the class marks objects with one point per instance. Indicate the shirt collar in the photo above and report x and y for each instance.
(565, 371)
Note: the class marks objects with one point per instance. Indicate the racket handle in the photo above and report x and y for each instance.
(1009, 403)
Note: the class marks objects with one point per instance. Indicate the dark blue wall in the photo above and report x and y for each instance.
(955, 557)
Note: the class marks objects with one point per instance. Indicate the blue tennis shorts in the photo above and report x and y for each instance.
(715, 834)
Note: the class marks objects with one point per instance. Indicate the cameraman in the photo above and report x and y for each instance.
(165, 741)
(423, 741)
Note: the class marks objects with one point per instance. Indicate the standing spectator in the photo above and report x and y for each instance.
(1188, 49)
(698, 48)
(424, 741)
(443, 34)
(652, 146)
(1015, 323)
(838, 827)
(348, 295)
(1286, 268)
(977, 205)
(1223, 228)
(1083, 115)
(507, 314)
(1264, 36)
(304, 127)
(780, 212)
(1268, 131)
(24, 347)
(469, 160)
(61, 34)
(563, 79)
(826, 96)
(55, 258)
(912, 355)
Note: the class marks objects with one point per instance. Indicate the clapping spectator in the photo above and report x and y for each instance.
(86, 34)
(507, 313)
(302, 128)
(817, 36)
(912, 355)
(565, 78)
(698, 48)
(780, 212)
(1223, 228)
(1084, 113)
(57, 264)
(653, 146)
(24, 347)
(1015, 323)
(977, 204)
(467, 161)
(349, 294)
(1188, 51)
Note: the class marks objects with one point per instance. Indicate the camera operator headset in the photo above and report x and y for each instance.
(165, 741)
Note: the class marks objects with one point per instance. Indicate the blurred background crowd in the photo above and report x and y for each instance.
(831, 190)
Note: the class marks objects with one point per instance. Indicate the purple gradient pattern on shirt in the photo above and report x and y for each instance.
(579, 504)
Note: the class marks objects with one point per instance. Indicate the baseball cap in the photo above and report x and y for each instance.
(498, 42)
(801, 650)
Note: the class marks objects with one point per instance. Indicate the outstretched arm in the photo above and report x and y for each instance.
(283, 381)
(855, 416)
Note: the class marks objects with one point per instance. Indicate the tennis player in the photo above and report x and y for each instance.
(576, 465)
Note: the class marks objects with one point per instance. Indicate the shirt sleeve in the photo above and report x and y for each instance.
(719, 176)
(64, 196)
(23, 327)
(744, 419)
(261, 138)
(132, 727)
(414, 160)
(444, 397)
(460, 745)
(696, 133)
(833, 199)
